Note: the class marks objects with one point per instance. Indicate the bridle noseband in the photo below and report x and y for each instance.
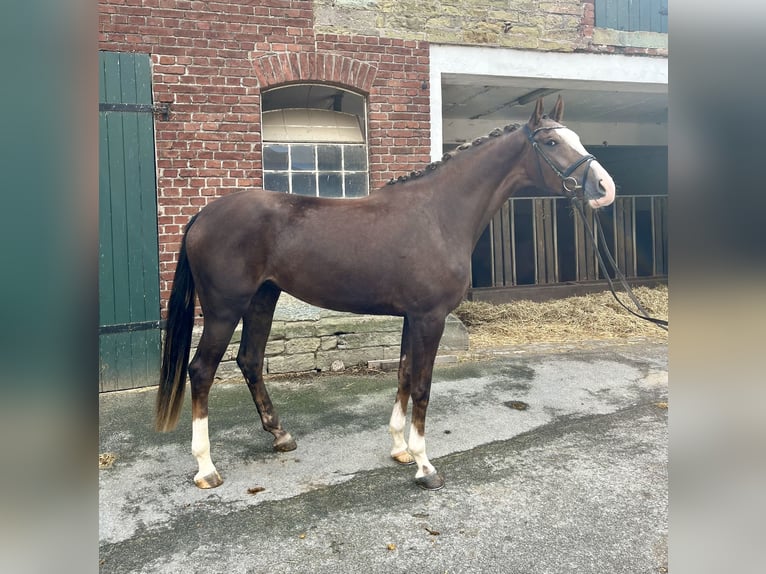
(569, 183)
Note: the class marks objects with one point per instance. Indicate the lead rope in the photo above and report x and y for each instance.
(661, 323)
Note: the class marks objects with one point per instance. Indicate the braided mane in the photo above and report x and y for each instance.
(450, 154)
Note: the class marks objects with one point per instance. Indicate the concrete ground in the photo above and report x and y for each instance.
(576, 482)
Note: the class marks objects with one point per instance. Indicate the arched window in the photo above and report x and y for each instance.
(314, 141)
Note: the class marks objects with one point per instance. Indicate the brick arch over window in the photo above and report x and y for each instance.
(275, 69)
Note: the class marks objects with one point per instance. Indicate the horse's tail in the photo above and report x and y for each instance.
(175, 356)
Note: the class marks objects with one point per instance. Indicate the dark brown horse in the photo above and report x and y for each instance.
(404, 250)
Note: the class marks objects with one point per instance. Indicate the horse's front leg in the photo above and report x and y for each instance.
(398, 420)
(426, 332)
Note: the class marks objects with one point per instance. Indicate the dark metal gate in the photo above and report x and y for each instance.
(129, 295)
(538, 241)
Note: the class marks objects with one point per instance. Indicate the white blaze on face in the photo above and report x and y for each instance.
(201, 448)
(572, 140)
(597, 172)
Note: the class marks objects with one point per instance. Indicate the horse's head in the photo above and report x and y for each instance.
(562, 161)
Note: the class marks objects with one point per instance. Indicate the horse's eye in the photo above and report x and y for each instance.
(550, 143)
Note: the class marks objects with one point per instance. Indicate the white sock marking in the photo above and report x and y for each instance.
(396, 428)
(418, 451)
(201, 448)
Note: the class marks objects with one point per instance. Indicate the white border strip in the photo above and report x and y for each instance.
(607, 71)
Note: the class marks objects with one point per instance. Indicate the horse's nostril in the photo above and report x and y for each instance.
(601, 188)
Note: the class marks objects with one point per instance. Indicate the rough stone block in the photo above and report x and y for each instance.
(292, 363)
(324, 359)
(231, 353)
(328, 343)
(299, 329)
(455, 337)
(301, 345)
(357, 324)
(290, 309)
(370, 339)
(278, 330)
(275, 347)
(228, 370)
(391, 353)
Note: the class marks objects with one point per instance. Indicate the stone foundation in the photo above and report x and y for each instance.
(307, 338)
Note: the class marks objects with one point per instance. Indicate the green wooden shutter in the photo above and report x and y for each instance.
(632, 15)
(129, 295)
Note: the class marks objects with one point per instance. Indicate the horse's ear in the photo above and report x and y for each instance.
(537, 114)
(557, 113)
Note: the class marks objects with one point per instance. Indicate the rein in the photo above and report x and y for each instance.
(643, 314)
(570, 186)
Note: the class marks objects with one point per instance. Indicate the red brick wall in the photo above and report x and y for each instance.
(398, 101)
(210, 61)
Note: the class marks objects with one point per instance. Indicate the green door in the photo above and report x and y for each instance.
(129, 294)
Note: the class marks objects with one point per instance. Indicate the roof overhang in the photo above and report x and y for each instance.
(621, 100)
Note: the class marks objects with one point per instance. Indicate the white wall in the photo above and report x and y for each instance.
(590, 75)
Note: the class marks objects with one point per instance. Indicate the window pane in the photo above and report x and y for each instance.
(274, 157)
(330, 185)
(328, 157)
(356, 158)
(303, 157)
(356, 184)
(276, 182)
(304, 184)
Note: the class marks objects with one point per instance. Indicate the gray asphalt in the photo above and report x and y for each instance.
(577, 482)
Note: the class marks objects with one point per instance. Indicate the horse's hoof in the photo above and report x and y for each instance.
(404, 458)
(433, 481)
(285, 443)
(212, 480)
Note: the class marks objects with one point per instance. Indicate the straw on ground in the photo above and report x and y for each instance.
(588, 317)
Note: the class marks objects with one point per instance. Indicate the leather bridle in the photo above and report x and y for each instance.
(569, 183)
(570, 186)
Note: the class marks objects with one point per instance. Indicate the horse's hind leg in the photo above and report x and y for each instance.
(216, 335)
(398, 420)
(255, 333)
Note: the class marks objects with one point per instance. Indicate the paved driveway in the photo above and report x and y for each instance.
(576, 482)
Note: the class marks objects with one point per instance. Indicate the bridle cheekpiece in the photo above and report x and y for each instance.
(569, 183)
